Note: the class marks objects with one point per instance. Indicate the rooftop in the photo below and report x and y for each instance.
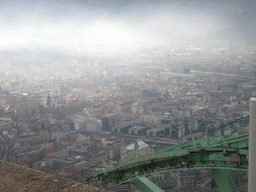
(141, 144)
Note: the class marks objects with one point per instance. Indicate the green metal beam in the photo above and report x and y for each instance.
(145, 185)
(198, 158)
(207, 153)
(184, 155)
(104, 162)
(232, 141)
(224, 178)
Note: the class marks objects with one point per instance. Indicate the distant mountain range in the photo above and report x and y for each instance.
(244, 33)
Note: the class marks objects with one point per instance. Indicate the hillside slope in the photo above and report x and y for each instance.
(22, 179)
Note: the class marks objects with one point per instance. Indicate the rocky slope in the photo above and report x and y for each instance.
(22, 179)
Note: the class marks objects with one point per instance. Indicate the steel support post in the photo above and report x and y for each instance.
(145, 185)
(252, 146)
(223, 178)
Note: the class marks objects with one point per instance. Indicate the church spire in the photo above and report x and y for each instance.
(48, 102)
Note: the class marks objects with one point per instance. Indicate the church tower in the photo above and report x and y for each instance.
(49, 102)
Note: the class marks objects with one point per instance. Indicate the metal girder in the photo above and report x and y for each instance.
(197, 154)
(232, 141)
(145, 185)
(223, 178)
(198, 158)
(169, 155)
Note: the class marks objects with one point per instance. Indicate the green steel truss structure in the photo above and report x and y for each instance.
(206, 153)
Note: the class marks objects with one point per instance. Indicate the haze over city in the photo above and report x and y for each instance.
(127, 95)
(114, 26)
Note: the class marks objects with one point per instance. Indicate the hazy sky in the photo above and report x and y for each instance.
(113, 25)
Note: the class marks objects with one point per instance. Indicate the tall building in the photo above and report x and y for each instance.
(25, 110)
(108, 121)
(79, 122)
(93, 125)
